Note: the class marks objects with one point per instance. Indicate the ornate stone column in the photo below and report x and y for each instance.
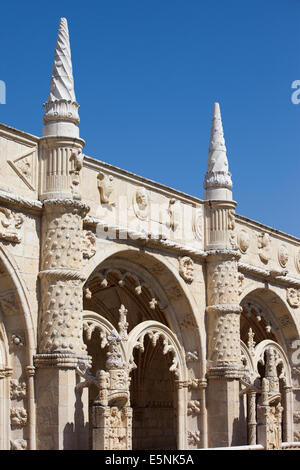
(61, 410)
(223, 309)
(251, 397)
(112, 414)
(224, 355)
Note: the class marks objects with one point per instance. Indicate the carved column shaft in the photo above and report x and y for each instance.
(251, 418)
(223, 310)
(62, 412)
(61, 162)
(61, 280)
(223, 314)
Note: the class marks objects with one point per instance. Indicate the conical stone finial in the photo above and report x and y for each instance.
(217, 182)
(62, 83)
(61, 110)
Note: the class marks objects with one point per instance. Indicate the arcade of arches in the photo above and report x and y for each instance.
(132, 315)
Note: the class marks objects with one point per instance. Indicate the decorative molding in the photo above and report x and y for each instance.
(17, 340)
(278, 276)
(19, 202)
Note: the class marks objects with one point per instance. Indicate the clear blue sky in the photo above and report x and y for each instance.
(146, 76)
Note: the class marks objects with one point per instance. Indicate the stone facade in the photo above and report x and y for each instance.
(133, 316)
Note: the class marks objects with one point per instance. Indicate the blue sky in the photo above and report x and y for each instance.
(146, 76)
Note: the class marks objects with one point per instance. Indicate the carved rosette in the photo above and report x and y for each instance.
(223, 311)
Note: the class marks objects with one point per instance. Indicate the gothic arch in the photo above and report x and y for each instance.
(93, 321)
(25, 346)
(180, 307)
(156, 331)
(276, 311)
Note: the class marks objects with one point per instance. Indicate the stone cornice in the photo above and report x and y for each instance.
(271, 275)
(149, 239)
(272, 231)
(19, 202)
(62, 361)
(66, 274)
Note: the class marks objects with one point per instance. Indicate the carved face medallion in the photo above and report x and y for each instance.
(186, 268)
(283, 256)
(141, 203)
(243, 240)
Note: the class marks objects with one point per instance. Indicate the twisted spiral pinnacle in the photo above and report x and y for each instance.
(62, 82)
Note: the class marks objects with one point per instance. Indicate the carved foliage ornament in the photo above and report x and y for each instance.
(17, 389)
(186, 268)
(10, 225)
(18, 417)
(88, 244)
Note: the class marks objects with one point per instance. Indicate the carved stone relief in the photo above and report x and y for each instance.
(194, 437)
(10, 225)
(17, 389)
(192, 356)
(283, 255)
(88, 244)
(264, 246)
(243, 240)
(174, 213)
(18, 444)
(293, 297)
(106, 187)
(18, 417)
(198, 225)
(141, 203)
(297, 260)
(24, 166)
(194, 407)
(186, 268)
